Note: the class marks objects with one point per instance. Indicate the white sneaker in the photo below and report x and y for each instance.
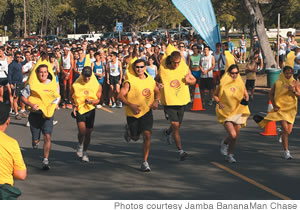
(224, 148)
(287, 155)
(230, 158)
(279, 135)
(120, 105)
(45, 164)
(167, 137)
(99, 106)
(145, 167)
(55, 122)
(28, 124)
(85, 157)
(79, 151)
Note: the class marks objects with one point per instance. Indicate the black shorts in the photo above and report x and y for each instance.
(88, 118)
(139, 125)
(16, 92)
(38, 124)
(206, 83)
(174, 113)
(281, 58)
(222, 72)
(250, 84)
(114, 80)
(3, 81)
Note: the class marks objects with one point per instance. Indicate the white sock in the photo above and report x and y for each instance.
(180, 151)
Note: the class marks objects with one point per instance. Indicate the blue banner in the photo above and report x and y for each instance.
(200, 13)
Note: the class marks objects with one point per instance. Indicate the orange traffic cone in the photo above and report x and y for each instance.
(270, 129)
(197, 105)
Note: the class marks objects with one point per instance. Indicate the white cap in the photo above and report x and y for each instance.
(148, 45)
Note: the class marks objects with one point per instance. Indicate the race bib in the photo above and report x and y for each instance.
(196, 63)
(99, 71)
(205, 65)
(80, 69)
(113, 69)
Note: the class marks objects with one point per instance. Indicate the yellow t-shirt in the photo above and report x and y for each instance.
(83, 91)
(10, 158)
(142, 93)
(176, 90)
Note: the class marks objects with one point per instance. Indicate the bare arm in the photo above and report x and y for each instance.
(190, 79)
(154, 105)
(20, 174)
(217, 99)
(271, 97)
(122, 97)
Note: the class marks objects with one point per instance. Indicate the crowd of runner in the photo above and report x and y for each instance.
(39, 79)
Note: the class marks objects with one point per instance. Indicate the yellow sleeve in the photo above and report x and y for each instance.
(17, 157)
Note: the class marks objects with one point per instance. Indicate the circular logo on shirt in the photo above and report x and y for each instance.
(86, 92)
(146, 92)
(232, 89)
(175, 84)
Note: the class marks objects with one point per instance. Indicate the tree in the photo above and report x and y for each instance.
(258, 21)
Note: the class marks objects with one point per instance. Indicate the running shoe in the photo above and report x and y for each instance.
(145, 167)
(210, 103)
(45, 164)
(114, 105)
(85, 157)
(230, 158)
(183, 156)
(63, 105)
(69, 106)
(99, 106)
(127, 134)
(120, 105)
(257, 118)
(287, 155)
(55, 122)
(79, 151)
(35, 144)
(23, 114)
(167, 136)
(28, 124)
(18, 117)
(224, 148)
(279, 135)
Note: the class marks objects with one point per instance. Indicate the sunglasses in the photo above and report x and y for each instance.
(18, 57)
(139, 67)
(195, 48)
(234, 73)
(181, 46)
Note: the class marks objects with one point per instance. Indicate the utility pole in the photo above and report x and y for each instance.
(25, 29)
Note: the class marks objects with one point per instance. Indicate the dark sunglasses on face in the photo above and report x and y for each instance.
(234, 73)
(181, 46)
(139, 67)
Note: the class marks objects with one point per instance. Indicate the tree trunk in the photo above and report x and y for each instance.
(46, 22)
(255, 13)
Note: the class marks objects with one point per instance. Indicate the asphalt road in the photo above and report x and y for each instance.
(114, 169)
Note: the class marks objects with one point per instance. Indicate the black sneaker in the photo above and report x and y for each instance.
(127, 134)
(257, 118)
(183, 156)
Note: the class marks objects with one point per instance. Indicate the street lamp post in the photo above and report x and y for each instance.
(25, 30)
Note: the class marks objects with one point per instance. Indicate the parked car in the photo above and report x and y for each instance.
(13, 42)
(31, 38)
(51, 38)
